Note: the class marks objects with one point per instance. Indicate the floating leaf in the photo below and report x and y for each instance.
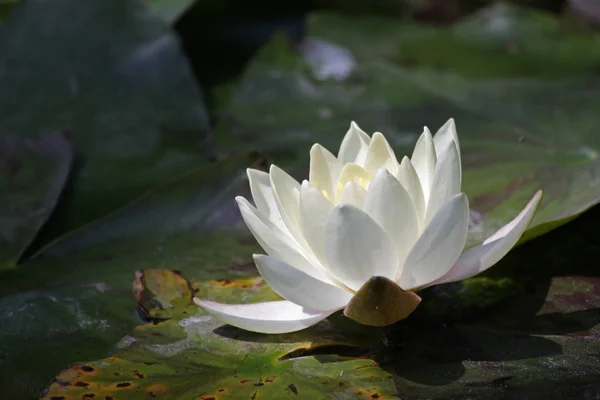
(517, 135)
(543, 343)
(75, 300)
(113, 75)
(33, 173)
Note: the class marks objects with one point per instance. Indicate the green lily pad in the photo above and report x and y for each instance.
(74, 301)
(32, 176)
(543, 343)
(517, 135)
(113, 75)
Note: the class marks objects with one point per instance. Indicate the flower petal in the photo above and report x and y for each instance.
(409, 179)
(447, 134)
(314, 211)
(353, 194)
(439, 246)
(286, 191)
(424, 160)
(262, 193)
(324, 171)
(446, 180)
(299, 287)
(354, 146)
(277, 243)
(268, 317)
(389, 204)
(357, 248)
(479, 258)
(354, 173)
(380, 155)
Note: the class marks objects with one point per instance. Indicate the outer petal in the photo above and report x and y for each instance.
(268, 317)
(380, 155)
(357, 247)
(479, 258)
(325, 170)
(446, 180)
(299, 287)
(439, 246)
(447, 134)
(286, 191)
(314, 211)
(424, 160)
(390, 206)
(262, 193)
(353, 194)
(277, 243)
(410, 180)
(354, 146)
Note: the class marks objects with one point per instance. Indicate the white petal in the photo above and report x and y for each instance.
(439, 246)
(357, 248)
(424, 160)
(444, 135)
(390, 206)
(299, 287)
(446, 180)
(268, 317)
(260, 187)
(354, 146)
(324, 171)
(353, 194)
(409, 179)
(354, 173)
(380, 155)
(286, 191)
(479, 258)
(314, 211)
(277, 243)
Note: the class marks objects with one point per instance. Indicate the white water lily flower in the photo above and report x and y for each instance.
(363, 234)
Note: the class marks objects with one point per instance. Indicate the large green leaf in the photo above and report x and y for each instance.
(113, 75)
(74, 301)
(517, 134)
(543, 343)
(32, 176)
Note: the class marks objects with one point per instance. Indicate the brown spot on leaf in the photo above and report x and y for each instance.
(81, 384)
(375, 396)
(123, 384)
(270, 378)
(138, 374)
(89, 396)
(244, 381)
(87, 368)
(293, 388)
(254, 395)
(57, 398)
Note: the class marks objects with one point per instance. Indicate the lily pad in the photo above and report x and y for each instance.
(519, 130)
(32, 176)
(112, 74)
(74, 301)
(542, 344)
